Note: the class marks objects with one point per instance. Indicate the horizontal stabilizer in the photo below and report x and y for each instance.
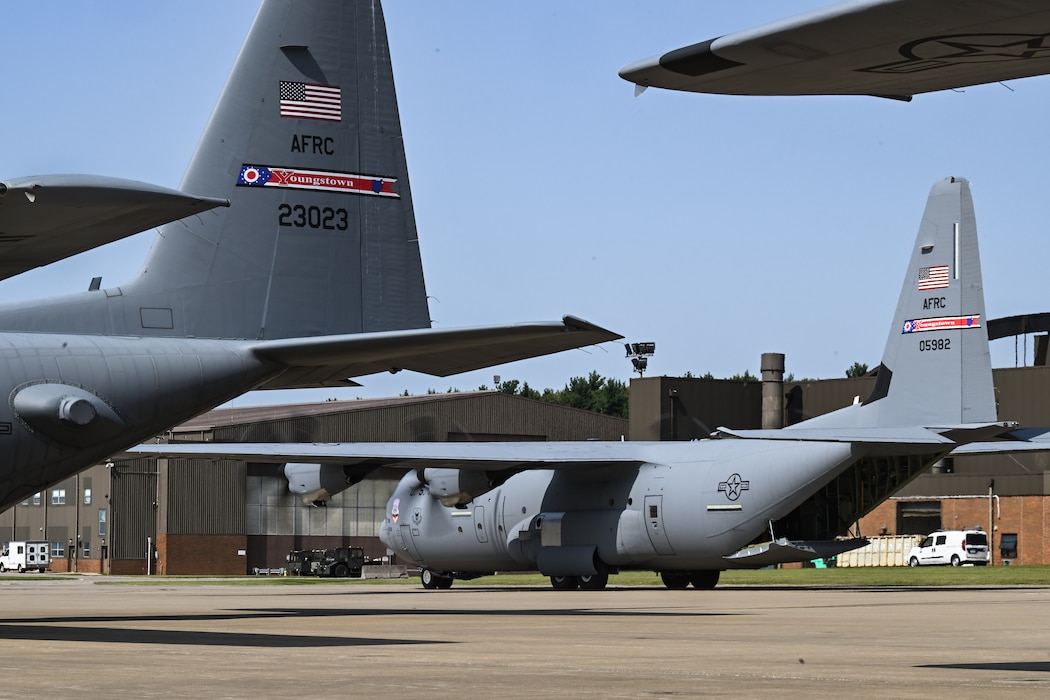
(1023, 440)
(939, 435)
(329, 361)
(51, 217)
(902, 436)
(784, 551)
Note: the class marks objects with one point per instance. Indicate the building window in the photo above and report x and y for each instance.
(58, 497)
(87, 497)
(87, 549)
(58, 550)
(36, 498)
(1008, 546)
(102, 522)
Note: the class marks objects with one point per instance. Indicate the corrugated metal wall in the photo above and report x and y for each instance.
(133, 515)
(202, 498)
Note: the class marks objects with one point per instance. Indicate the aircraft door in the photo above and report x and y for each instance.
(410, 531)
(654, 517)
(409, 543)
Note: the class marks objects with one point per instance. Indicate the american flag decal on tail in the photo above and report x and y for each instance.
(306, 101)
(935, 277)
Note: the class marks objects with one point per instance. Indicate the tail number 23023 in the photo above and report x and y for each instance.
(301, 216)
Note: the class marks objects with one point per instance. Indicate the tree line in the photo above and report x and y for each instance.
(606, 394)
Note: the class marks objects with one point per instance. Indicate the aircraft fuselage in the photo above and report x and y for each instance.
(683, 509)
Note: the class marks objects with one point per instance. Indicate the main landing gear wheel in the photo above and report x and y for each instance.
(704, 579)
(675, 580)
(594, 583)
(433, 580)
(565, 583)
(678, 580)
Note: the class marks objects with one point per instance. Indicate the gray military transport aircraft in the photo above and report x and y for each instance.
(885, 48)
(308, 272)
(579, 511)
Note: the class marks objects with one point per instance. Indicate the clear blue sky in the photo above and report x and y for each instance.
(718, 227)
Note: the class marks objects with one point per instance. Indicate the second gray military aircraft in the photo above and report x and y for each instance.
(578, 512)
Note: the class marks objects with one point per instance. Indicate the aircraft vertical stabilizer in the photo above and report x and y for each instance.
(320, 237)
(306, 143)
(936, 368)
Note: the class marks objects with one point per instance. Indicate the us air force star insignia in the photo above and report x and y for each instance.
(733, 486)
(942, 51)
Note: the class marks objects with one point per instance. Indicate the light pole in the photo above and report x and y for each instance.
(640, 354)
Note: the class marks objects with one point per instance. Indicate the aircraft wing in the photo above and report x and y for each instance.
(487, 456)
(886, 48)
(331, 360)
(51, 217)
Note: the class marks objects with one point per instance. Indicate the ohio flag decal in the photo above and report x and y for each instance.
(319, 180)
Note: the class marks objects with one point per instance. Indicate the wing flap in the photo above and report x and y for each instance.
(329, 361)
(51, 217)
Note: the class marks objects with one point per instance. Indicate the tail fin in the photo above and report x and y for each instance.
(936, 369)
(306, 143)
(320, 237)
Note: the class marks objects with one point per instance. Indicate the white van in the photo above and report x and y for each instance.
(955, 547)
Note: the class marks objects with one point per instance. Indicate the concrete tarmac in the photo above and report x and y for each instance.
(94, 637)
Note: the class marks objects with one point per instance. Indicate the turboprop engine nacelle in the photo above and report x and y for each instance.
(456, 487)
(315, 483)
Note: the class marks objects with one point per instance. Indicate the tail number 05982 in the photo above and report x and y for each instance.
(935, 344)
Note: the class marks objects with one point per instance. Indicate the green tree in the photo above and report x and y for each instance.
(591, 393)
(859, 369)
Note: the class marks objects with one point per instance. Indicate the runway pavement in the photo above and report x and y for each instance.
(89, 636)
